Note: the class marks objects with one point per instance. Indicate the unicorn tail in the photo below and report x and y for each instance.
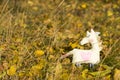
(65, 55)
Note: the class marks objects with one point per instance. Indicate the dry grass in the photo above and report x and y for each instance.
(54, 28)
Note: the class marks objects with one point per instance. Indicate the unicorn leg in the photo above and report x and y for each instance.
(91, 66)
(78, 64)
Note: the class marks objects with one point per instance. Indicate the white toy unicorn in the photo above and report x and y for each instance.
(91, 56)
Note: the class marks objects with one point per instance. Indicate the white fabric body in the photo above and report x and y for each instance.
(88, 56)
(85, 56)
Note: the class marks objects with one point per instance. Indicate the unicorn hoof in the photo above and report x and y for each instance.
(77, 64)
(91, 66)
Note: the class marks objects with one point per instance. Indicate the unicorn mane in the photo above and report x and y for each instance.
(99, 42)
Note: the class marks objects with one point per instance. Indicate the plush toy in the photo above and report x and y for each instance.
(92, 55)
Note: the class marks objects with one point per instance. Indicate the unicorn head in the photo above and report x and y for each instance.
(91, 37)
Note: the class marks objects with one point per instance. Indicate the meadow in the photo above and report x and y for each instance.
(35, 33)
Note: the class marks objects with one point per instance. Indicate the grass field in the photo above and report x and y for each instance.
(35, 33)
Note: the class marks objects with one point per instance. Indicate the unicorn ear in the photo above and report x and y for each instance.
(92, 30)
(88, 32)
(97, 33)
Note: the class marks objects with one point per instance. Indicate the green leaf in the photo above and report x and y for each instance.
(2, 74)
(100, 73)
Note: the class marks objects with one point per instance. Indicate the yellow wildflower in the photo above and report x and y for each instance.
(84, 5)
(73, 45)
(35, 8)
(109, 13)
(39, 53)
(37, 67)
(116, 74)
(79, 24)
(21, 74)
(51, 50)
(19, 40)
(30, 3)
(12, 70)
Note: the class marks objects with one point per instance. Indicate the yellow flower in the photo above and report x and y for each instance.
(19, 40)
(116, 74)
(51, 57)
(51, 50)
(12, 70)
(109, 13)
(35, 8)
(21, 74)
(73, 45)
(84, 5)
(37, 67)
(105, 34)
(39, 53)
(30, 3)
(65, 76)
(79, 24)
